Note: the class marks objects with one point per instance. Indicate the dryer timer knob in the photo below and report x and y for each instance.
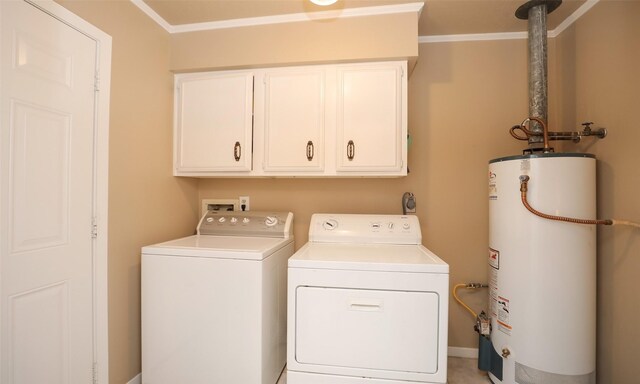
(330, 224)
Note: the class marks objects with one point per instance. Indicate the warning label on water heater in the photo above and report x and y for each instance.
(494, 262)
(504, 323)
(494, 258)
(498, 305)
(493, 189)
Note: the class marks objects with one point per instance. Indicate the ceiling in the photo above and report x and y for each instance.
(439, 17)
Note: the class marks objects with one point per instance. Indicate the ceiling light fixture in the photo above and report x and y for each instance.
(323, 2)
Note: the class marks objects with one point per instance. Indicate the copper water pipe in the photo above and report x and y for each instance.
(524, 179)
(545, 131)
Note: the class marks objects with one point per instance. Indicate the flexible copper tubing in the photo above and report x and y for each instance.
(513, 133)
(529, 133)
(523, 193)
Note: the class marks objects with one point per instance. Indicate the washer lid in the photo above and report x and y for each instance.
(368, 257)
(221, 247)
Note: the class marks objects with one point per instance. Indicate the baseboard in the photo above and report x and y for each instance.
(136, 380)
(471, 353)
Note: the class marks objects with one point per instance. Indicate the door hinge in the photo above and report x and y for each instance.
(96, 82)
(94, 228)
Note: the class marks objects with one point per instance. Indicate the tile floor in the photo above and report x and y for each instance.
(465, 371)
(460, 371)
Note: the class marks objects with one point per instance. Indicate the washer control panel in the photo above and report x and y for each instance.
(374, 229)
(246, 223)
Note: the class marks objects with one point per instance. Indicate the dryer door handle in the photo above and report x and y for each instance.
(366, 305)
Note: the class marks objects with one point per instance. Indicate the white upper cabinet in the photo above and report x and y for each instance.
(213, 123)
(294, 112)
(370, 118)
(339, 120)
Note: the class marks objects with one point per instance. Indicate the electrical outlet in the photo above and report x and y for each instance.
(408, 203)
(244, 203)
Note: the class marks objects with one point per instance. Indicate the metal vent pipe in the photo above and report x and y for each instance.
(536, 12)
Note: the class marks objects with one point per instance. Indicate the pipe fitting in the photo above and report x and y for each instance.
(600, 133)
(524, 179)
(476, 285)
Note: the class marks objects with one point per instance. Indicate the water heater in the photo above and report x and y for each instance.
(542, 273)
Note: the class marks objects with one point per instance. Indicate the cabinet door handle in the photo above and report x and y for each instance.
(351, 150)
(309, 150)
(237, 151)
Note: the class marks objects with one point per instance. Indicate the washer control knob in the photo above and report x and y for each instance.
(222, 220)
(391, 225)
(246, 220)
(270, 221)
(234, 220)
(406, 226)
(209, 219)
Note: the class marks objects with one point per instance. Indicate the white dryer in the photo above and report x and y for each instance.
(214, 304)
(367, 303)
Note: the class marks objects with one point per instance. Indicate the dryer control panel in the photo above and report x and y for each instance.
(246, 223)
(375, 229)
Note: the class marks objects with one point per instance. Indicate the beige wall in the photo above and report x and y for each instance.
(463, 97)
(146, 203)
(598, 61)
(358, 38)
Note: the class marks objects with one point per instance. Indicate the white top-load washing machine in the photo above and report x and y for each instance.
(367, 303)
(214, 304)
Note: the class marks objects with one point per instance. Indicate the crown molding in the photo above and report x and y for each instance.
(472, 37)
(510, 35)
(573, 17)
(279, 19)
(152, 14)
(355, 12)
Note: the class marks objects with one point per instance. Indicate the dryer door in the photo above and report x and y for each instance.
(368, 329)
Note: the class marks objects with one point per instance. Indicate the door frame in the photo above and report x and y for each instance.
(100, 179)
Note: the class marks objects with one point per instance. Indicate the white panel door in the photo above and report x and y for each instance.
(214, 122)
(46, 156)
(294, 120)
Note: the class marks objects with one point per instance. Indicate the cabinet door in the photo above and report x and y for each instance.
(213, 122)
(371, 122)
(294, 120)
